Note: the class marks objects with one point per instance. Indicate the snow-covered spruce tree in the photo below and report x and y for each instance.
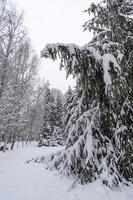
(67, 107)
(55, 119)
(59, 109)
(100, 134)
(57, 134)
(51, 129)
(117, 39)
(45, 130)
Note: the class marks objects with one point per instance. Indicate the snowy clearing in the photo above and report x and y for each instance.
(21, 181)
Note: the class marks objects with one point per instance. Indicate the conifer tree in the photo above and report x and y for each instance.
(51, 130)
(68, 108)
(67, 104)
(100, 134)
(59, 110)
(58, 128)
(45, 130)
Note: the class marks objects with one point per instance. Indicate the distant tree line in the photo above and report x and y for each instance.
(27, 106)
(55, 117)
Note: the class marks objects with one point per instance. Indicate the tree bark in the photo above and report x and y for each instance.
(13, 141)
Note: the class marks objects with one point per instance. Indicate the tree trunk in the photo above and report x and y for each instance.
(28, 138)
(13, 141)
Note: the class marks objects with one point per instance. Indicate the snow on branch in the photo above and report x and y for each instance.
(75, 58)
(107, 59)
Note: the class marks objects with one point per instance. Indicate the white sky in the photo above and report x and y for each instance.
(52, 21)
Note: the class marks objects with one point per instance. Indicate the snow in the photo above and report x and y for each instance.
(71, 50)
(1, 144)
(107, 59)
(120, 57)
(92, 50)
(21, 181)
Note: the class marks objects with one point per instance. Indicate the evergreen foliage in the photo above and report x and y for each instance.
(51, 129)
(67, 108)
(99, 130)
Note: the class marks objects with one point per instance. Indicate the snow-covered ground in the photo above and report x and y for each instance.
(21, 181)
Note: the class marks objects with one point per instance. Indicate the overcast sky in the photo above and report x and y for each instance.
(52, 21)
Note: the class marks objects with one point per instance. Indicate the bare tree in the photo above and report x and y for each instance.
(18, 67)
